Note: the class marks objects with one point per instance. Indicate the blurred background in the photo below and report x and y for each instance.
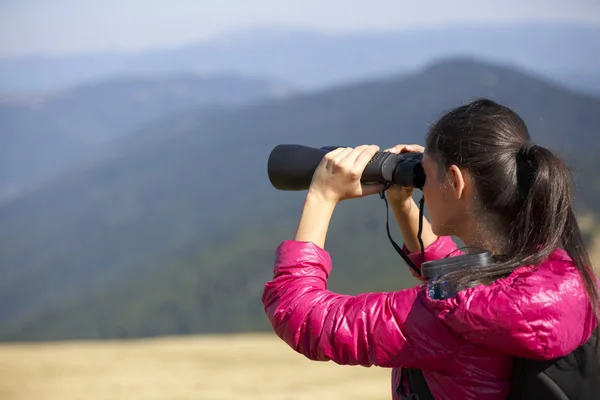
(137, 222)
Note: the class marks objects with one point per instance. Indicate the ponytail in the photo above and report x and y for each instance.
(547, 218)
(548, 211)
(542, 205)
(524, 190)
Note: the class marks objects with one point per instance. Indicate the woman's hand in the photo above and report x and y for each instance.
(399, 195)
(338, 175)
(407, 212)
(336, 178)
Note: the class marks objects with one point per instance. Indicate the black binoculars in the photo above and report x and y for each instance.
(291, 167)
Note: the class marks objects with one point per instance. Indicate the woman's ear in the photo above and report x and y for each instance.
(457, 181)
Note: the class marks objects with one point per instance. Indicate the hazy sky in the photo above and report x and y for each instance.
(61, 26)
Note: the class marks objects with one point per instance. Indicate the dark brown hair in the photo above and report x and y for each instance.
(524, 191)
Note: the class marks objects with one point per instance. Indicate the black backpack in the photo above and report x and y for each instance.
(573, 377)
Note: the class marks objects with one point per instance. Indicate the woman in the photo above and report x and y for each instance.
(488, 185)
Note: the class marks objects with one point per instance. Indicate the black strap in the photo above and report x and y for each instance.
(396, 246)
(421, 212)
(573, 376)
(417, 385)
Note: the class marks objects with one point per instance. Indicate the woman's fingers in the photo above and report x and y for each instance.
(344, 153)
(333, 154)
(396, 149)
(346, 160)
(331, 159)
(364, 156)
(415, 148)
(406, 148)
(355, 161)
(341, 157)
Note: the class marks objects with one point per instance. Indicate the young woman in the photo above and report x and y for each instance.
(487, 184)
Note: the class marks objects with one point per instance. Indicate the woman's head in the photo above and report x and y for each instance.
(488, 184)
(487, 181)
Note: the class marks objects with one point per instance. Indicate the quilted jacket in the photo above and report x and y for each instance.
(465, 344)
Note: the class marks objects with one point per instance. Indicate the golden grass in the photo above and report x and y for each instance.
(588, 224)
(180, 368)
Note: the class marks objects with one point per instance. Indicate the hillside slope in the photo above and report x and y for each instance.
(44, 135)
(177, 235)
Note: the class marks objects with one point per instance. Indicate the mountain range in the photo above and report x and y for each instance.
(174, 231)
(566, 53)
(44, 135)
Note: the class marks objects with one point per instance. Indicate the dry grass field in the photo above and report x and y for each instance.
(208, 368)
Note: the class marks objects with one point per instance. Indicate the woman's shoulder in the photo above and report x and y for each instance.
(557, 276)
(539, 311)
(557, 268)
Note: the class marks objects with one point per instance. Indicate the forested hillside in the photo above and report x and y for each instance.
(177, 235)
(42, 135)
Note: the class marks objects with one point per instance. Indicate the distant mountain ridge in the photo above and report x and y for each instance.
(45, 134)
(176, 235)
(567, 53)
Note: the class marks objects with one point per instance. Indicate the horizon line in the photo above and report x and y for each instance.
(226, 34)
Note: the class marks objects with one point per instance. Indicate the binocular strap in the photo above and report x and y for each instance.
(396, 246)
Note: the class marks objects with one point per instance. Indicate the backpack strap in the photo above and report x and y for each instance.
(574, 376)
(417, 385)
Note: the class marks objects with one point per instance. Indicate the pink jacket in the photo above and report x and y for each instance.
(465, 345)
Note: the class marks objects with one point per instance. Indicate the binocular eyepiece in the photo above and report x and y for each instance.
(291, 167)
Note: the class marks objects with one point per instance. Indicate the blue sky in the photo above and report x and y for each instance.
(64, 26)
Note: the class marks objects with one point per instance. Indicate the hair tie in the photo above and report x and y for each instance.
(524, 152)
(525, 168)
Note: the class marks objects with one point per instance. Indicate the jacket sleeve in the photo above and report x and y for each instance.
(383, 329)
(442, 247)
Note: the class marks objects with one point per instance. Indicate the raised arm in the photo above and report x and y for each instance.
(406, 211)
(384, 329)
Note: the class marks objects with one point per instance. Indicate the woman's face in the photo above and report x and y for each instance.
(446, 210)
